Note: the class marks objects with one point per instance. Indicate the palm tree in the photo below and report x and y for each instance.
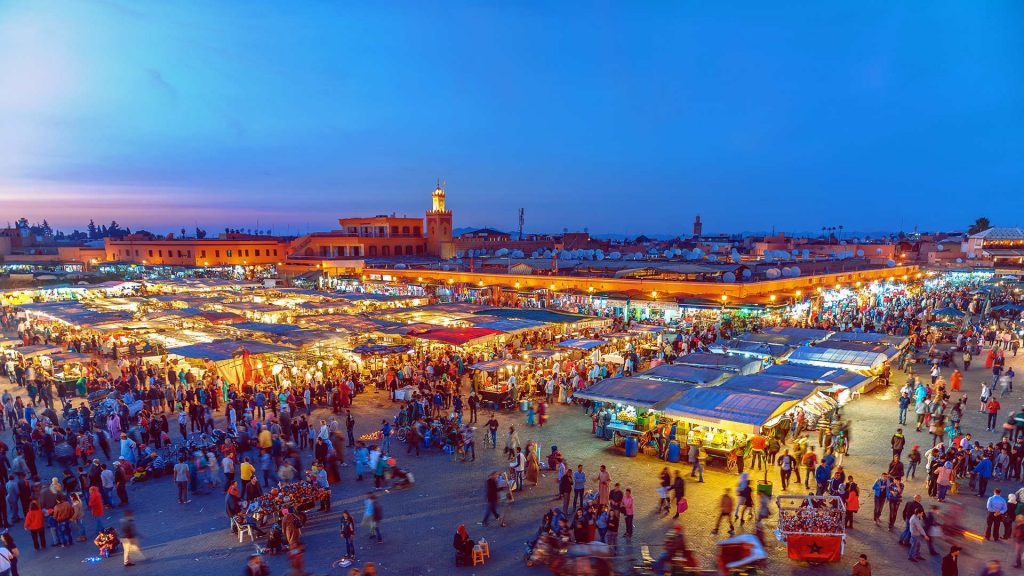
(980, 225)
(823, 232)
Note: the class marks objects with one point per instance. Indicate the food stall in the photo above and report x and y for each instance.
(635, 402)
(728, 362)
(813, 527)
(491, 381)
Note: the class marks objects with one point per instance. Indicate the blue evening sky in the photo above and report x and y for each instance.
(623, 117)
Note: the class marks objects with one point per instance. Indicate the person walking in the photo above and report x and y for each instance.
(628, 511)
(725, 509)
(918, 534)
(492, 490)
(679, 491)
(579, 481)
(129, 538)
(786, 464)
(995, 508)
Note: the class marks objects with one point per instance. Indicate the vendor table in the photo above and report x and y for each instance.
(621, 431)
(405, 393)
(502, 399)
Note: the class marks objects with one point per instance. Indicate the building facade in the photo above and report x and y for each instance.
(227, 251)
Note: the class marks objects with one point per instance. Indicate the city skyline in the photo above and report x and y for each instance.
(615, 119)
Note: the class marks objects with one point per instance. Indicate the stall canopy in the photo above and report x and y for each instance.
(949, 312)
(1009, 307)
(634, 391)
(511, 325)
(893, 340)
(265, 327)
(538, 315)
(220, 317)
(646, 329)
(458, 336)
(847, 355)
(581, 343)
(381, 349)
(541, 354)
(36, 350)
(494, 365)
(803, 335)
(219, 350)
(688, 374)
(764, 383)
(726, 362)
(743, 412)
(758, 349)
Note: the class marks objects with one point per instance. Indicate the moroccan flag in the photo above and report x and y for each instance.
(815, 547)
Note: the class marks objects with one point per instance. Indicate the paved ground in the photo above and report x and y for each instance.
(419, 523)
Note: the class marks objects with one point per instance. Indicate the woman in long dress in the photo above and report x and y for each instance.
(604, 480)
(532, 466)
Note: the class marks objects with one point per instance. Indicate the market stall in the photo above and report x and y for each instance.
(813, 527)
(728, 362)
(491, 381)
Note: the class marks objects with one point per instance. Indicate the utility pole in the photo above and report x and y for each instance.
(522, 219)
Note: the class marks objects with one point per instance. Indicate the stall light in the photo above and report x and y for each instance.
(143, 261)
(206, 263)
(654, 294)
(892, 278)
(905, 276)
(451, 280)
(552, 286)
(591, 289)
(724, 297)
(419, 279)
(480, 283)
(858, 284)
(839, 286)
(918, 275)
(517, 284)
(772, 297)
(799, 293)
(819, 289)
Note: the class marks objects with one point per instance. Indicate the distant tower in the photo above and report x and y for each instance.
(697, 227)
(439, 226)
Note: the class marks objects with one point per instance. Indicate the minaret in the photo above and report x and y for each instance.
(439, 226)
(697, 227)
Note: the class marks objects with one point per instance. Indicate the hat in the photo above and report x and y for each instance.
(955, 549)
(915, 447)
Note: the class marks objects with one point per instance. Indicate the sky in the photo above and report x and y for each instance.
(618, 117)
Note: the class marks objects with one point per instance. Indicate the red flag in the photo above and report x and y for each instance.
(815, 547)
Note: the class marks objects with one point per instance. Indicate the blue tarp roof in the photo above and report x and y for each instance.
(759, 349)
(226, 349)
(766, 383)
(537, 314)
(510, 324)
(721, 361)
(850, 355)
(729, 409)
(802, 334)
(581, 343)
(870, 338)
(381, 349)
(493, 365)
(634, 391)
(822, 374)
(266, 327)
(684, 373)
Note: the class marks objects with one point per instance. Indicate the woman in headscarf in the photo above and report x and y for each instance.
(532, 466)
(463, 546)
(943, 479)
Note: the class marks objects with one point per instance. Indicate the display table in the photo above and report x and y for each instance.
(405, 393)
(502, 399)
(621, 430)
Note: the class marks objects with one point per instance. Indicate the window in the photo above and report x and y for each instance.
(161, 253)
(179, 254)
(188, 253)
(216, 253)
(385, 251)
(408, 250)
(257, 253)
(394, 229)
(275, 251)
(416, 231)
(229, 253)
(405, 230)
(372, 251)
(247, 253)
(150, 253)
(355, 250)
(202, 253)
(136, 252)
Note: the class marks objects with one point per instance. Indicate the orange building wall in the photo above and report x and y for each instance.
(196, 252)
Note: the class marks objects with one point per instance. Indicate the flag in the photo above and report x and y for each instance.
(815, 547)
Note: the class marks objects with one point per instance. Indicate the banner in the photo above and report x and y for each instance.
(815, 547)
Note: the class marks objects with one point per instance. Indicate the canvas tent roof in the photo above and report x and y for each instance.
(634, 391)
(720, 361)
(226, 349)
(725, 408)
(684, 373)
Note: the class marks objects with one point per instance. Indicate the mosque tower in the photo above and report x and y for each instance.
(697, 227)
(439, 226)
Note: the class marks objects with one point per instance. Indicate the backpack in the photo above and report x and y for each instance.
(5, 560)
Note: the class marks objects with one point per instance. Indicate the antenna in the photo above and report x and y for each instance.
(522, 219)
